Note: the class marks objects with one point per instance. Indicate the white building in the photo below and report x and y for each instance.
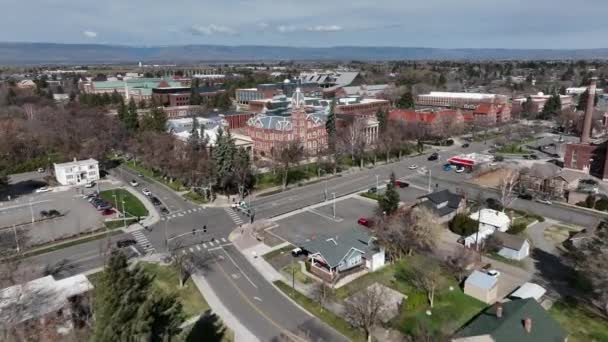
(579, 90)
(512, 246)
(77, 172)
(490, 221)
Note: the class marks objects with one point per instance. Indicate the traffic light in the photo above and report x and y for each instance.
(193, 231)
(204, 228)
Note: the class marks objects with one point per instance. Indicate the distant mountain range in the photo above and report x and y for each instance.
(48, 53)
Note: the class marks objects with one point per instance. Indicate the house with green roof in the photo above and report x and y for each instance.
(522, 320)
(332, 256)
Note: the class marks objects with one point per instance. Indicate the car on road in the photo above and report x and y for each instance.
(372, 190)
(134, 183)
(50, 213)
(401, 184)
(447, 167)
(433, 156)
(125, 243)
(146, 192)
(297, 251)
(493, 273)
(413, 167)
(40, 170)
(155, 201)
(465, 145)
(140, 175)
(89, 185)
(459, 169)
(544, 201)
(43, 189)
(365, 222)
(493, 164)
(525, 196)
(164, 211)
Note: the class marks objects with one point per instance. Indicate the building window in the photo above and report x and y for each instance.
(69, 177)
(574, 158)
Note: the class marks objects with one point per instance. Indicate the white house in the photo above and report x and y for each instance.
(512, 246)
(490, 221)
(77, 172)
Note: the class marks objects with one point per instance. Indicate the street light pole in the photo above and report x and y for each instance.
(166, 237)
(334, 203)
(16, 238)
(32, 210)
(376, 182)
(429, 180)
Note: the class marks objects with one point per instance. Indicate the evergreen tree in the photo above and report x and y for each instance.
(59, 90)
(552, 107)
(562, 90)
(582, 100)
(223, 157)
(382, 117)
(155, 120)
(129, 309)
(194, 140)
(389, 202)
(527, 107)
(122, 110)
(72, 96)
(131, 120)
(442, 81)
(116, 98)
(330, 127)
(105, 99)
(142, 104)
(406, 101)
(11, 97)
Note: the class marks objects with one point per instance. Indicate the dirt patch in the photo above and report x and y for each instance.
(490, 179)
(557, 234)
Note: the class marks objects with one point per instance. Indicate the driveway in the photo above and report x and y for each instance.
(536, 233)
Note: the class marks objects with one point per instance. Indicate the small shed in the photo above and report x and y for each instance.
(482, 286)
(512, 246)
(529, 290)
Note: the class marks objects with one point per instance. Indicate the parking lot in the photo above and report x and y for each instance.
(320, 221)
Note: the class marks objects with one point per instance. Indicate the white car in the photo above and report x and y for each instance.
(493, 164)
(134, 183)
(146, 192)
(43, 189)
(459, 169)
(493, 273)
(413, 167)
(89, 185)
(40, 170)
(543, 201)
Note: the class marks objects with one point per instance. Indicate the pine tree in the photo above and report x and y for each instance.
(552, 107)
(116, 98)
(382, 117)
(527, 107)
(194, 140)
(389, 202)
(72, 96)
(122, 110)
(406, 101)
(582, 100)
(330, 128)
(131, 120)
(223, 157)
(562, 90)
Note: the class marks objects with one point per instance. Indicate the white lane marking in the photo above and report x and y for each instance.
(204, 245)
(210, 243)
(257, 298)
(223, 240)
(198, 248)
(191, 250)
(239, 268)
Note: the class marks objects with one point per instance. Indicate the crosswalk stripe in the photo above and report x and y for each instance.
(210, 243)
(223, 240)
(191, 250)
(204, 245)
(198, 248)
(183, 251)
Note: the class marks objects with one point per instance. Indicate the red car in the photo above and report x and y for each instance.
(107, 212)
(365, 222)
(401, 184)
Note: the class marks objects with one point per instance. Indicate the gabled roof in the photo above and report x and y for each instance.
(442, 196)
(481, 280)
(491, 217)
(510, 326)
(510, 241)
(333, 248)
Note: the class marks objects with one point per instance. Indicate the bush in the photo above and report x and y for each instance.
(494, 204)
(517, 228)
(463, 225)
(602, 204)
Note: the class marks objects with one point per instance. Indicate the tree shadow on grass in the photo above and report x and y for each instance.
(207, 328)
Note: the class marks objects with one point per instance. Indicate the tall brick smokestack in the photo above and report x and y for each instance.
(589, 112)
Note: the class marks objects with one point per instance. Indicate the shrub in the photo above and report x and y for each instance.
(517, 228)
(590, 201)
(463, 225)
(602, 204)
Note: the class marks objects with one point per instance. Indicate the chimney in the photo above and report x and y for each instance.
(528, 324)
(589, 111)
(498, 310)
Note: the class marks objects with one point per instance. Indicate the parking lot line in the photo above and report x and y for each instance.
(223, 240)
(205, 246)
(198, 248)
(191, 250)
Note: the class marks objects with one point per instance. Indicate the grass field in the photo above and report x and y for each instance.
(195, 197)
(175, 185)
(119, 223)
(582, 326)
(270, 255)
(300, 277)
(133, 206)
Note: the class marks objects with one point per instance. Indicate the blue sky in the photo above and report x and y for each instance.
(428, 23)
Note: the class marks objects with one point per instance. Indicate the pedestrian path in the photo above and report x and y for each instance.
(234, 216)
(206, 246)
(181, 213)
(143, 241)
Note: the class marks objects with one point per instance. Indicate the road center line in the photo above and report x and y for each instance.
(238, 267)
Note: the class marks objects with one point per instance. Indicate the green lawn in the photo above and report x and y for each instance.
(132, 205)
(166, 280)
(68, 243)
(326, 316)
(270, 255)
(374, 196)
(175, 185)
(195, 197)
(119, 223)
(582, 326)
(300, 277)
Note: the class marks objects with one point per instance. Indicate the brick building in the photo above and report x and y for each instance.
(539, 101)
(486, 108)
(271, 131)
(360, 106)
(180, 96)
(427, 119)
(270, 90)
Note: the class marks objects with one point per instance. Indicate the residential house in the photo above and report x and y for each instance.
(512, 246)
(54, 305)
(444, 204)
(544, 179)
(331, 256)
(529, 290)
(77, 172)
(522, 320)
(490, 221)
(482, 286)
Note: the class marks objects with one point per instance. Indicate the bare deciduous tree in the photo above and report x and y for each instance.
(321, 292)
(507, 184)
(364, 309)
(287, 155)
(460, 261)
(425, 276)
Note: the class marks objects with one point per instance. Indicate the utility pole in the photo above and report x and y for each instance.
(124, 214)
(334, 204)
(429, 181)
(32, 210)
(16, 238)
(377, 182)
(166, 237)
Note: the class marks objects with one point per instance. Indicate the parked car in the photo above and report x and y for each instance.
(89, 185)
(40, 170)
(134, 183)
(433, 156)
(146, 192)
(544, 201)
(50, 213)
(43, 189)
(533, 156)
(493, 273)
(125, 243)
(108, 212)
(493, 164)
(372, 190)
(155, 201)
(164, 211)
(459, 169)
(413, 167)
(103, 206)
(465, 145)
(447, 167)
(297, 251)
(401, 184)
(365, 222)
(525, 195)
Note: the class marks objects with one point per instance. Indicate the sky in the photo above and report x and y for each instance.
(310, 23)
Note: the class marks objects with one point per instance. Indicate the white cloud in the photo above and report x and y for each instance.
(211, 29)
(286, 28)
(89, 34)
(325, 28)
